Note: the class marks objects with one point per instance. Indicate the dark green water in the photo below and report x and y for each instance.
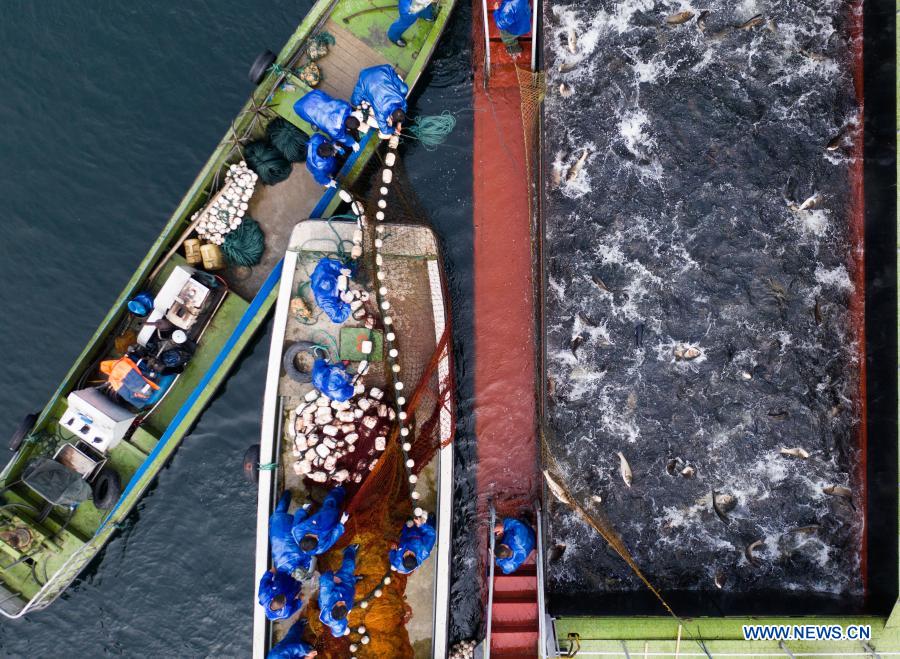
(108, 111)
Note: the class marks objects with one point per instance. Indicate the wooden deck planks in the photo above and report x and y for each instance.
(341, 66)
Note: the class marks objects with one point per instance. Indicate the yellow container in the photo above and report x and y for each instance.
(212, 257)
(192, 251)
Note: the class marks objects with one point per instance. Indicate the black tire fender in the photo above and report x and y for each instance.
(260, 65)
(251, 463)
(21, 432)
(106, 489)
(290, 366)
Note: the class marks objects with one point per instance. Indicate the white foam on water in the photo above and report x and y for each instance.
(836, 277)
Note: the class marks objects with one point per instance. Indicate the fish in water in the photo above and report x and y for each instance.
(625, 469)
(572, 39)
(556, 552)
(836, 142)
(723, 504)
(778, 415)
(556, 489)
(575, 344)
(686, 353)
(838, 491)
(720, 579)
(748, 553)
(796, 452)
(596, 498)
(679, 18)
(557, 172)
(575, 169)
(701, 20)
(599, 283)
(751, 23)
(793, 539)
(673, 465)
(565, 90)
(688, 472)
(810, 202)
(639, 335)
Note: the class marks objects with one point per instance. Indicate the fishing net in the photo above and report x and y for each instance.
(532, 89)
(267, 161)
(288, 139)
(382, 503)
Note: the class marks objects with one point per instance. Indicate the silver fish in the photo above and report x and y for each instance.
(811, 202)
(720, 578)
(572, 40)
(689, 472)
(838, 491)
(565, 90)
(686, 353)
(748, 553)
(556, 489)
(575, 169)
(723, 504)
(796, 452)
(701, 20)
(751, 23)
(625, 470)
(679, 18)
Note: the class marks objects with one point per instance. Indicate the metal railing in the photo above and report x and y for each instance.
(490, 604)
(534, 34)
(542, 608)
(485, 17)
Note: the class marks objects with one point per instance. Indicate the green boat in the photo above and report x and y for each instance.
(82, 463)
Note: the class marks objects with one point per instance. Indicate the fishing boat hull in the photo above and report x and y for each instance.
(412, 264)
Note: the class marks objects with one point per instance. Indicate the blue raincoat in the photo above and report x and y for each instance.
(324, 284)
(331, 592)
(278, 583)
(325, 524)
(383, 89)
(292, 646)
(417, 539)
(286, 555)
(514, 16)
(332, 380)
(520, 538)
(409, 12)
(327, 114)
(322, 169)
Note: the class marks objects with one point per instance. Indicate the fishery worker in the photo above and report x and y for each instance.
(333, 116)
(513, 19)
(321, 159)
(286, 554)
(279, 594)
(515, 542)
(336, 593)
(382, 91)
(316, 533)
(292, 646)
(410, 11)
(415, 545)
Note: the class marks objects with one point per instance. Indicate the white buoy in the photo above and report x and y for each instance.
(414, 495)
(410, 463)
(398, 385)
(413, 478)
(406, 447)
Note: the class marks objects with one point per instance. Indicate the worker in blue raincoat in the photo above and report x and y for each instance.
(515, 541)
(410, 11)
(321, 159)
(336, 593)
(292, 646)
(380, 90)
(513, 19)
(415, 545)
(332, 116)
(279, 594)
(286, 554)
(316, 533)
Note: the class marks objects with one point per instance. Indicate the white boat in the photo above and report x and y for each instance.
(414, 322)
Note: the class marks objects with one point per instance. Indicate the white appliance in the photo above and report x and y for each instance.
(95, 419)
(180, 300)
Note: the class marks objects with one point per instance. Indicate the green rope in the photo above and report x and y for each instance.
(433, 130)
(324, 38)
(269, 466)
(246, 244)
(267, 161)
(288, 139)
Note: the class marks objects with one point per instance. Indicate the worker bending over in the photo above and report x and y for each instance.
(336, 593)
(286, 554)
(316, 533)
(279, 593)
(382, 92)
(333, 116)
(515, 541)
(415, 545)
(321, 159)
(410, 11)
(292, 646)
(513, 19)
